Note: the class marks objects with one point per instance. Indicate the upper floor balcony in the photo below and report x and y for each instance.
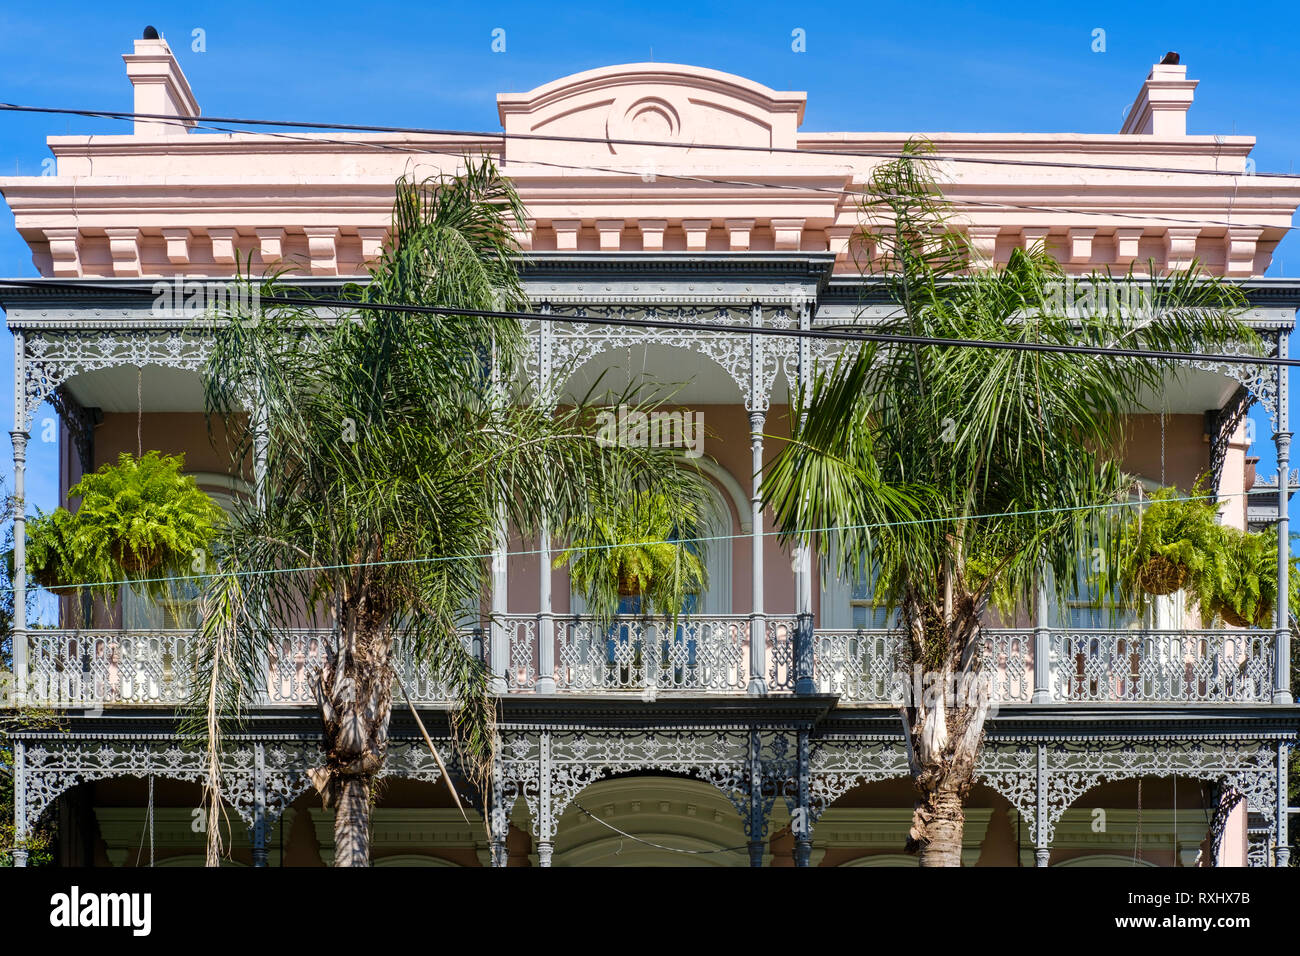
(701, 656)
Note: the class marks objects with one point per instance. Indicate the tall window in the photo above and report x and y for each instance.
(1086, 607)
(866, 613)
(850, 604)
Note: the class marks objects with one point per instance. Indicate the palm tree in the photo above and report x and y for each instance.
(961, 474)
(396, 445)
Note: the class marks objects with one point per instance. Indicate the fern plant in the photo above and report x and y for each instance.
(1170, 542)
(630, 549)
(140, 520)
(1239, 579)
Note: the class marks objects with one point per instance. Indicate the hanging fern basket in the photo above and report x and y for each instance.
(1234, 618)
(136, 561)
(1159, 575)
(1231, 617)
(47, 576)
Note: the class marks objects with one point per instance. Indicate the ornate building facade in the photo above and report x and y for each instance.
(776, 707)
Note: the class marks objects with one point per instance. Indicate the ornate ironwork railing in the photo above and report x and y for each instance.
(868, 666)
(124, 668)
(860, 666)
(1162, 666)
(703, 654)
(1085, 666)
(92, 668)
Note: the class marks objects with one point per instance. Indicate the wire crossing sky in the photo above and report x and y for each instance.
(526, 552)
(441, 70)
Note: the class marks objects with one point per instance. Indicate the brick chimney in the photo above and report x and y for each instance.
(160, 87)
(1161, 106)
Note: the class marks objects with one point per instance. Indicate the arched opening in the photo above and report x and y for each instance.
(645, 820)
(868, 826)
(1146, 821)
(703, 421)
(412, 823)
(106, 823)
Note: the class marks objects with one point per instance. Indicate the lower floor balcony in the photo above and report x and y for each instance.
(760, 782)
(700, 656)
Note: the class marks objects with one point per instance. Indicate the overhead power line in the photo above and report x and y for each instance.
(701, 539)
(615, 141)
(208, 124)
(889, 338)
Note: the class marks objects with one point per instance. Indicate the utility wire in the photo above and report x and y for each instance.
(676, 325)
(682, 177)
(742, 536)
(613, 141)
(658, 846)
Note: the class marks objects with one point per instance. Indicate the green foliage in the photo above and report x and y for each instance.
(926, 459)
(139, 520)
(40, 842)
(630, 548)
(1177, 534)
(1239, 580)
(1225, 571)
(396, 445)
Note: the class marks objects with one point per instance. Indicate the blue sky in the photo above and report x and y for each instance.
(913, 67)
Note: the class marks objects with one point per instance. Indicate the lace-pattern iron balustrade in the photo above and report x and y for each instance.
(549, 768)
(50, 358)
(750, 361)
(701, 654)
(90, 668)
(263, 775)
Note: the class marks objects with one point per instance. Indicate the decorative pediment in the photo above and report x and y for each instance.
(647, 101)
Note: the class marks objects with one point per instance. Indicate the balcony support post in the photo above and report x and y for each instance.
(545, 619)
(20, 676)
(259, 830)
(545, 823)
(757, 617)
(1042, 645)
(20, 800)
(498, 812)
(803, 810)
(1042, 852)
(19, 437)
(499, 639)
(1282, 855)
(803, 576)
(1282, 439)
(757, 822)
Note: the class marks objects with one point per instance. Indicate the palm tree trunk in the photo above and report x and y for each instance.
(352, 822)
(944, 720)
(355, 696)
(945, 826)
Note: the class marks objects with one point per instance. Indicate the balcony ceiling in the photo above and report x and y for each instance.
(685, 378)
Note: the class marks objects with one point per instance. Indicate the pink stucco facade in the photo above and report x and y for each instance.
(653, 186)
